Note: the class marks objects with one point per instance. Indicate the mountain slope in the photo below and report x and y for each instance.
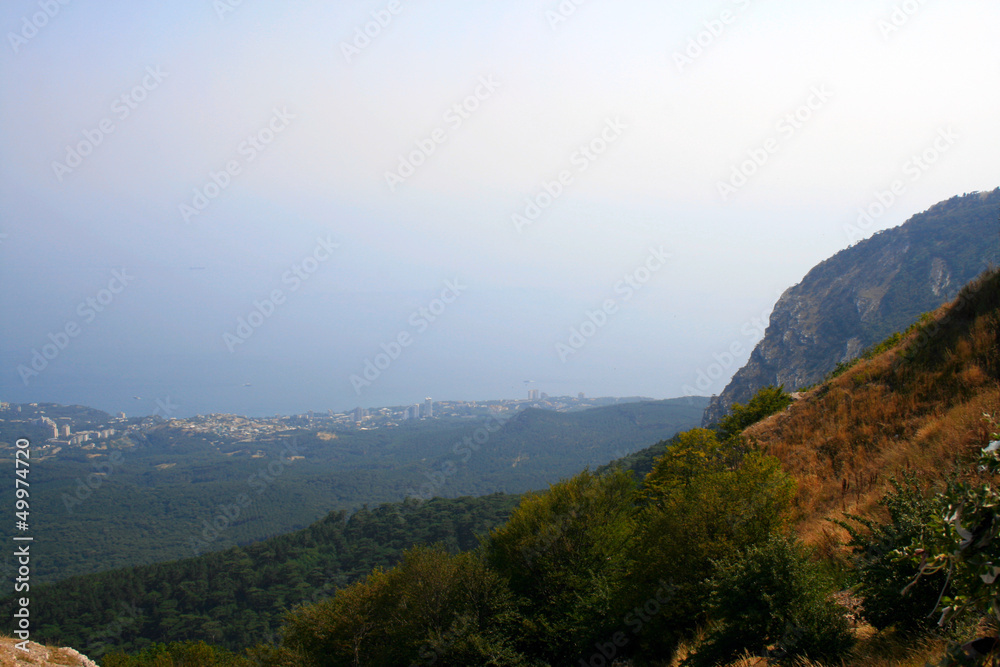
(40, 656)
(537, 448)
(917, 407)
(167, 483)
(236, 598)
(866, 292)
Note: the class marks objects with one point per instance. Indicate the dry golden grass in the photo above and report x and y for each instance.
(921, 413)
(874, 649)
(844, 440)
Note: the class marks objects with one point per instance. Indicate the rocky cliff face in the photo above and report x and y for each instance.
(863, 294)
(40, 656)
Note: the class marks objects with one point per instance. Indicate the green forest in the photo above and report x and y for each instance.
(699, 559)
(237, 597)
(241, 597)
(173, 485)
(597, 567)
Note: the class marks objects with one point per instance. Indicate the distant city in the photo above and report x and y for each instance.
(431, 409)
(90, 430)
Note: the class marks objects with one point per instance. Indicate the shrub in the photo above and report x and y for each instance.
(961, 539)
(881, 574)
(178, 654)
(433, 608)
(695, 517)
(772, 602)
(764, 403)
(566, 555)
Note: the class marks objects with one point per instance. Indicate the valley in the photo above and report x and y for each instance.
(160, 489)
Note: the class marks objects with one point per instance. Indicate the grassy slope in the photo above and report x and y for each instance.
(917, 407)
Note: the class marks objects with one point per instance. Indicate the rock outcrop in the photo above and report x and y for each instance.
(867, 292)
(40, 656)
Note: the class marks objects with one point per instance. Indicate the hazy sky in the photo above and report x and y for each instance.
(324, 171)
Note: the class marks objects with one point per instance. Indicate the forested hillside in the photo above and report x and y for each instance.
(705, 560)
(237, 597)
(712, 545)
(173, 492)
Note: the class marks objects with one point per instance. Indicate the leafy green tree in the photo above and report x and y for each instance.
(689, 456)
(566, 554)
(433, 608)
(179, 654)
(238, 597)
(695, 516)
(764, 403)
(881, 574)
(771, 601)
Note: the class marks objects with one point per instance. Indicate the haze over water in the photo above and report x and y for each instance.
(603, 197)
